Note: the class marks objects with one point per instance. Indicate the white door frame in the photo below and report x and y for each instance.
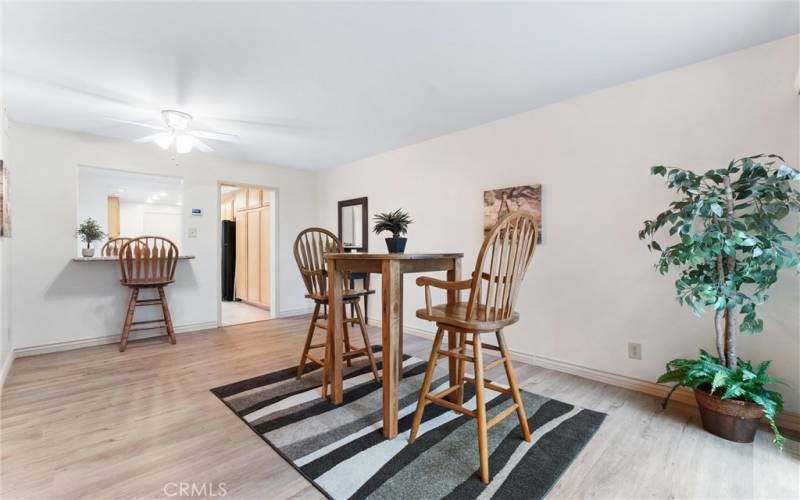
(274, 285)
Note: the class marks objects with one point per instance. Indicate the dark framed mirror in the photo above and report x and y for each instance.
(353, 230)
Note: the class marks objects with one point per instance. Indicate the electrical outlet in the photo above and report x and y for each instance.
(192, 232)
(634, 350)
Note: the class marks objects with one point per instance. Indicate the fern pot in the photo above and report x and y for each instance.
(396, 245)
(729, 419)
(87, 252)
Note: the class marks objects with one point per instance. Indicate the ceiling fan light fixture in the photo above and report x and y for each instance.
(164, 141)
(177, 120)
(183, 144)
(177, 133)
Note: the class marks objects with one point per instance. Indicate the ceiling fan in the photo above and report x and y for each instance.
(177, 131)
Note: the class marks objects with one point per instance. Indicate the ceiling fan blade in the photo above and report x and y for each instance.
(264, 123)
(202, 146)
(140, 124)
(149, 138)
(215, 136)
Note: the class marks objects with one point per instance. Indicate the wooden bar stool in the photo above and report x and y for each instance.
(147, 262)
(310, 248)
(113, 246)
(502, 262)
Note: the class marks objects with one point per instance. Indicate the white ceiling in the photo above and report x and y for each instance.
(317, 85)
(131, 187)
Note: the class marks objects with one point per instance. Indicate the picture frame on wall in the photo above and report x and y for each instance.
(498, 202)
(5, 207)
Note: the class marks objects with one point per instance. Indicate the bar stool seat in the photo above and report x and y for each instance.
(146, 283)
(454, 314)
(347, 295)
(147, 262)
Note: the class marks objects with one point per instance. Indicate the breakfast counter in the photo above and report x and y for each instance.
(115, 259)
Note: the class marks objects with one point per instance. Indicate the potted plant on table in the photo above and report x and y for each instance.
(89, 231)
(396, 223)
(728, 250)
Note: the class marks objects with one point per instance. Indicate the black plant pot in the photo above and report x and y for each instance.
(396, 245)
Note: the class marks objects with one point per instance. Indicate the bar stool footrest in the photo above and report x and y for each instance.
(489, 385)
(500, 416)
(447, 404)
(148, 302)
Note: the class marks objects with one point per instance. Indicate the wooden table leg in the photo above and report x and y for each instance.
(453, 296)
(392, 295)
(333, 358)
(400, 327)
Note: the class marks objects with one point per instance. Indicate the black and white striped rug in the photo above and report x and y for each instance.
(341, 449)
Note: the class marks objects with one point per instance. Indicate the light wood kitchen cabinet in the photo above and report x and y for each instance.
(253, 198)
(240, 199)
(266, 257)
(113, 217)
(241, 257)
(227, 210)
(250, 208)
(253, 256)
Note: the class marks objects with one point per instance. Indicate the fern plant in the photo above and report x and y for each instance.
(742, 382)
(395, 222)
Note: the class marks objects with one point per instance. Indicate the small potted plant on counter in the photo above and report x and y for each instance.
(89, 231)
(728, 250)
(396, 223)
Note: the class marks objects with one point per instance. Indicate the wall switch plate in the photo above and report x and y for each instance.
(192, 232)
(634, 350)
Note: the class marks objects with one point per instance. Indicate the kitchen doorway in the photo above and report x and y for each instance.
(247, 249)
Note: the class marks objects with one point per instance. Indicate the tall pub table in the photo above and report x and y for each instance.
(391, 267)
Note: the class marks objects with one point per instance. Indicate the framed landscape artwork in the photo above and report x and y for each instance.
(498, 202)
(5, 214)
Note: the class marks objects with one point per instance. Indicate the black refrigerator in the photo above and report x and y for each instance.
(228, 260)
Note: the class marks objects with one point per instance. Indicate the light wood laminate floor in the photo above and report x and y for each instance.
(102, 424)
(237, 313)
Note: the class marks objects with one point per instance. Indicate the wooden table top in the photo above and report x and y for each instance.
(393, 256)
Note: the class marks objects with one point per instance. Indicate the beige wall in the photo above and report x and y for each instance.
(56, 300)
(6, 344)
(592, 287)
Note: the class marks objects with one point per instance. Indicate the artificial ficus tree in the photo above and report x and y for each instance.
(727, 241)
(89, 231)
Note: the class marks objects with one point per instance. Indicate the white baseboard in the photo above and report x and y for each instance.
(6, 368)
(295, 312)
(113, 339)
(106, 339)
(787, 419)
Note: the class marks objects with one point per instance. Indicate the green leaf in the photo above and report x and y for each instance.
(658, 170)
(719, 380)
(717, 209)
